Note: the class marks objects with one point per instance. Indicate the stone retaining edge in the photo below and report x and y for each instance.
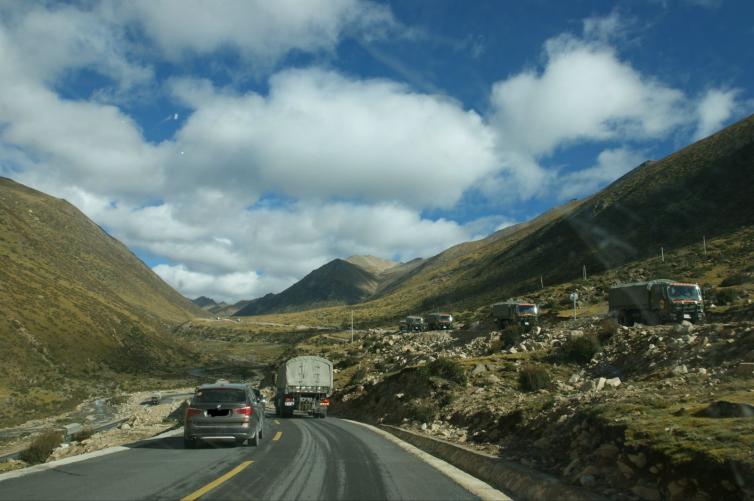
(522, 482)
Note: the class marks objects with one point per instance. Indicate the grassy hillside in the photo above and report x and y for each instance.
(372, 264)
(75, 304)
(701, 190)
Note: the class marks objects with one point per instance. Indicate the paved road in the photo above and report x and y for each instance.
(299, 458)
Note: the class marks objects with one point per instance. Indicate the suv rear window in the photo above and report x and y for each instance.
(220, 395)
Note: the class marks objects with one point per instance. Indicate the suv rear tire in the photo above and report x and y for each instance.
(254, 441)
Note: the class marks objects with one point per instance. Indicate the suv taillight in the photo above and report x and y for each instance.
(325, 402)
(246, 411)
(193, 412)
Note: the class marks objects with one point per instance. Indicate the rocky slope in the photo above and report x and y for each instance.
(658, 412)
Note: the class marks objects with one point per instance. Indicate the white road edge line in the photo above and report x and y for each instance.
(81, 457)
(468, 482)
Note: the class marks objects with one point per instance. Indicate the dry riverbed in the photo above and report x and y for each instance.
(141, 421)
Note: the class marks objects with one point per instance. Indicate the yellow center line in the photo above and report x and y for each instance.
(204, 490)
(277, 422)
(277, 436)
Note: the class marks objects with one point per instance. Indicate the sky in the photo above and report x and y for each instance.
(235, 146)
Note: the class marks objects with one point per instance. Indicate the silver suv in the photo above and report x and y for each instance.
(224, 411)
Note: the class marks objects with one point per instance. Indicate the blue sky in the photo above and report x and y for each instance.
(236, 146)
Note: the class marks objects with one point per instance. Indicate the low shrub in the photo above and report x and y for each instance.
(725, 296)
(83, 435)
(533, 378)
(119, 399)
(447, 369)
(607, 328)
(358, 375)
(581, 349)
(41, 447)
(735, 279)
(496, 345)
(423, 412)
(511, 336)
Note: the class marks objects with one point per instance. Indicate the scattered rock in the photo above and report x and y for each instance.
(600, 384)
(639, 460)
(625, 469)
(613, 382)
(607, 451)
(647, 493)
(587, 480)
(744, 369)
(675, 490)
(679, 370)
(479, 369)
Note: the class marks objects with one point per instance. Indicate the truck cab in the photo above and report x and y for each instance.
(439, 321)
(519, 313)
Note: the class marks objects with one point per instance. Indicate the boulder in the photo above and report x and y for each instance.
(647, 493)
(625, 469)
(744, 369)
(639, 460)
(587, 480)
(679, 370)
(613, 382)
(607, 451)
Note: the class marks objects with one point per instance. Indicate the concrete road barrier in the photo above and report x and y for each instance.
(522, 482)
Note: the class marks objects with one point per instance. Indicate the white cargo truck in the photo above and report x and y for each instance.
(304, 384)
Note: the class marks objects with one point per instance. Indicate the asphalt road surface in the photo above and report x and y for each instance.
(299, 458)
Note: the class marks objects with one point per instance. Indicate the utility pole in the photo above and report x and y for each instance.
(351, 326)
(662, 254)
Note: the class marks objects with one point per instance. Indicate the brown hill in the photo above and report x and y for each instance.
(74, 302)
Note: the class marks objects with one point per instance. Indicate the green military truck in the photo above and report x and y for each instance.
(515, 313)
(655, 302)
(439, 321)
(412, 323)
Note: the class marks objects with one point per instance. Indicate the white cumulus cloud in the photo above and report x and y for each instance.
(714, 109)
(261, 30)
(319, 134)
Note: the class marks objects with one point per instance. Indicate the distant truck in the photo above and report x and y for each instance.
(412, 323)
(304, 384)
(515, 313)
(439, 321)
(655, 302)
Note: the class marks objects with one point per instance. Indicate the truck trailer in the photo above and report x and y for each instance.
(304, 384)
(655, 302)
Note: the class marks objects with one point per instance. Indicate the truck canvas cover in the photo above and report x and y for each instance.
(306, 374)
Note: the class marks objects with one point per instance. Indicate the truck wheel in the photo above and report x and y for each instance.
(254, 441)
(189, 443)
